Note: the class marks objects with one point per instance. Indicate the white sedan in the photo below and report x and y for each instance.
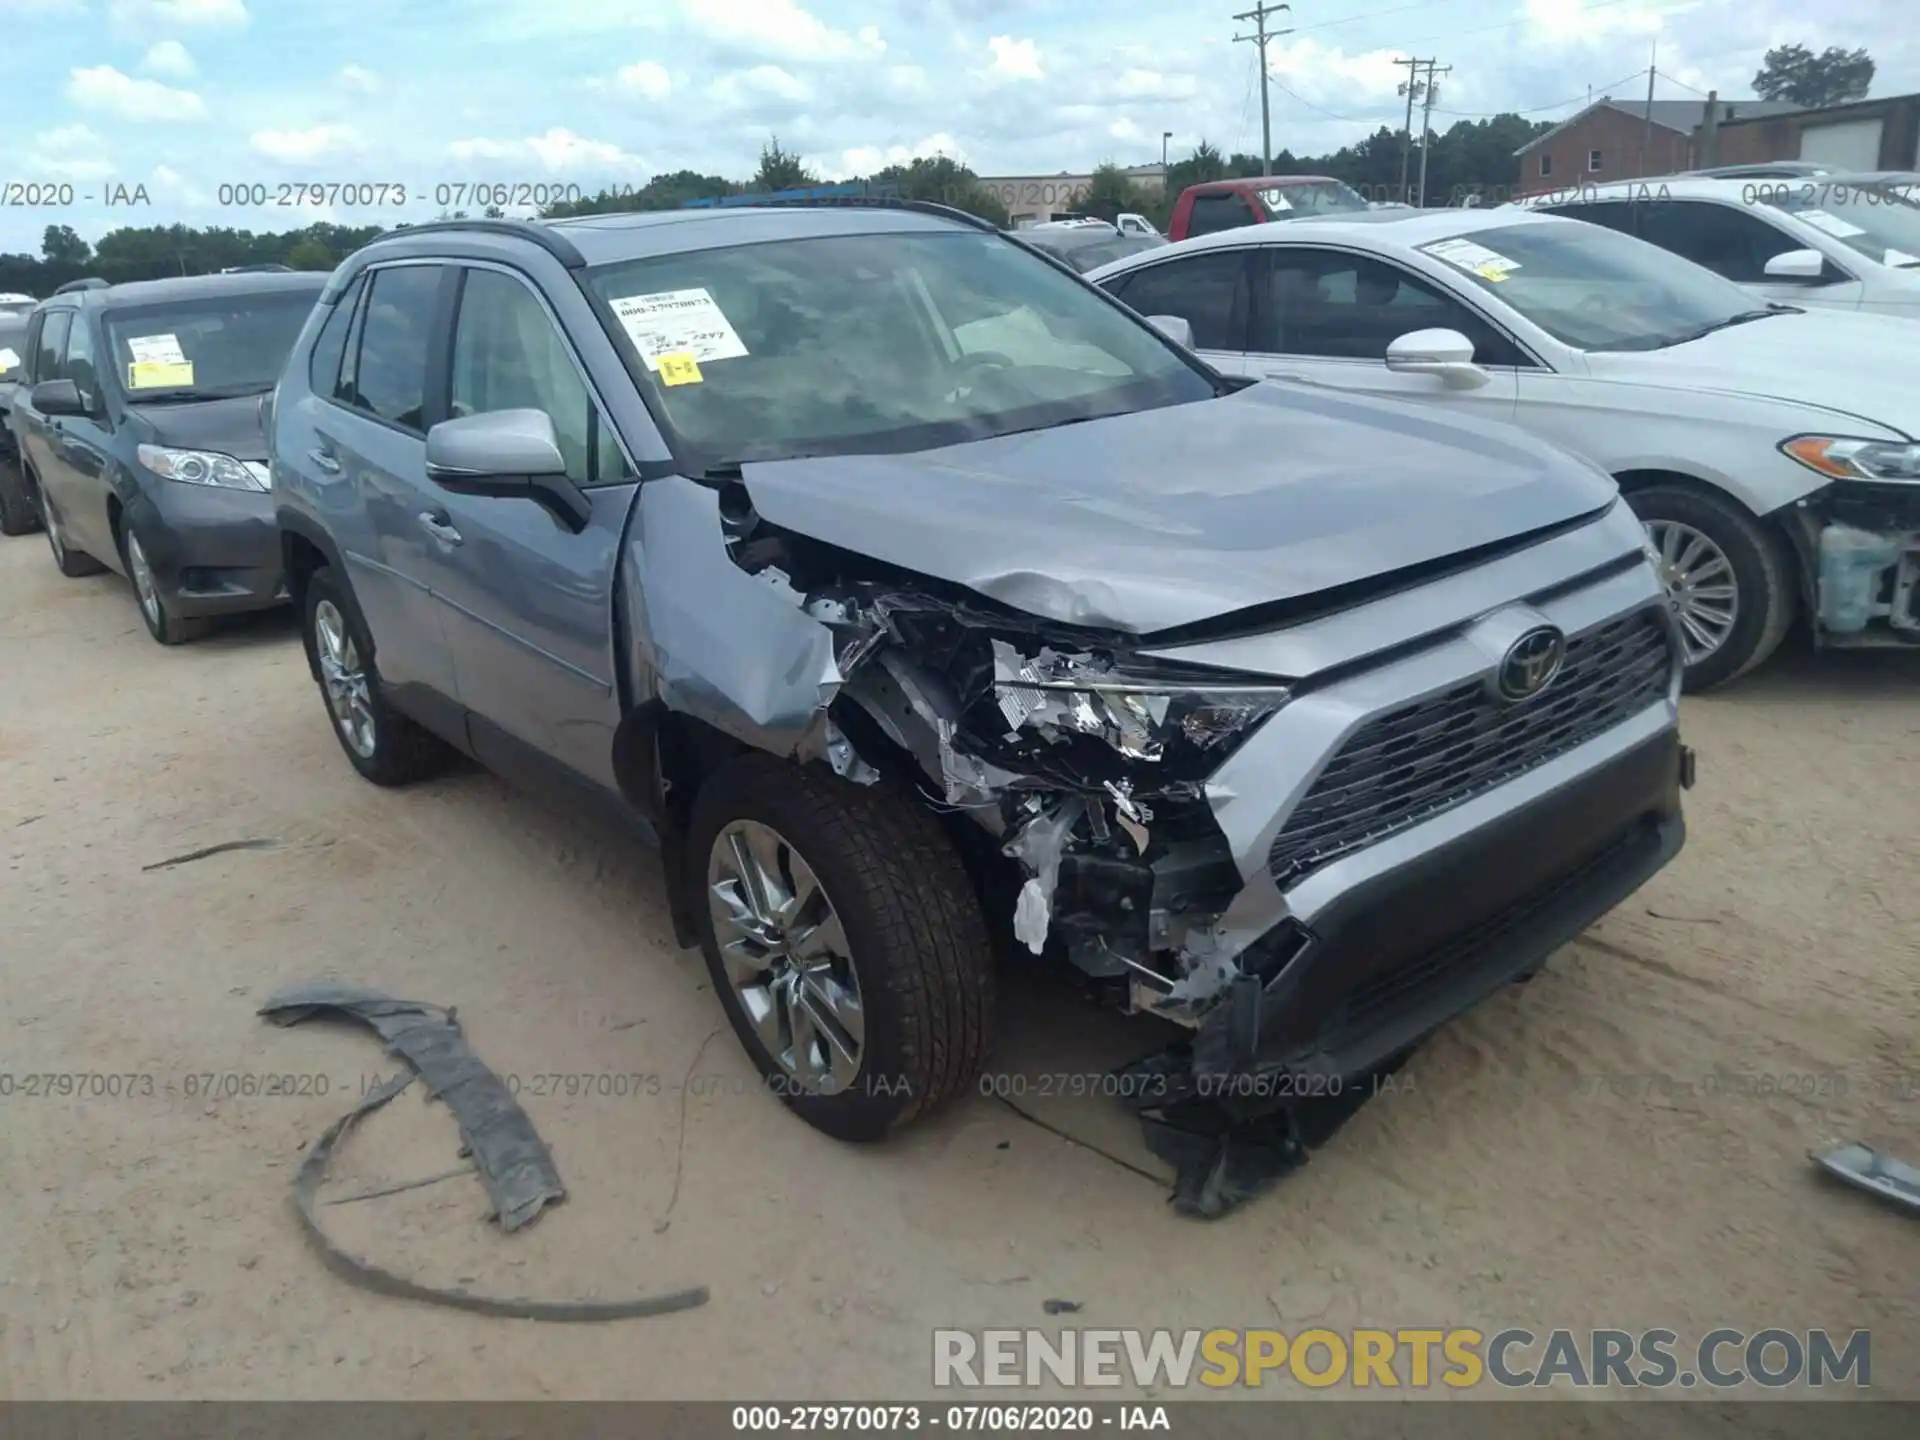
(1769, 450)
(1825, 240)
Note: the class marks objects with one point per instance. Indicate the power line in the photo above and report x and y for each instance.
(1259, 39)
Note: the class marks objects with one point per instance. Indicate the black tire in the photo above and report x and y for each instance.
(1762, 574)
(163, 625)
(18, 514)
(74, 564)
(401, 751)
(916, 938)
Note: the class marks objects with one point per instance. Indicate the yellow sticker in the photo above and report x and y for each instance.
(1492, 273)
(159, 374)
(679, 368)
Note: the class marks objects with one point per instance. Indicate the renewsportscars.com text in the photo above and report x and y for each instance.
(1458, 1358)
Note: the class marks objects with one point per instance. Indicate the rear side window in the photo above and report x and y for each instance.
(52, 344)
(323, 366)
(1209, 292)
(1222, 210)
(79, 365)
(390, 374)
(1727, 240)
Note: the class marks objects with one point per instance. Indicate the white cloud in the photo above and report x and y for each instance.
(295, 146)
(171, 187)
(1015, 59)
(41, 7)
(1327, 73)
(71, 152)
(778, 27)
(648, 79)
(558, 149)
(104, 88)
(132, 16)
(357, 77)
(1563, 23)
(170, 58)
(865, 159)
(761, 83)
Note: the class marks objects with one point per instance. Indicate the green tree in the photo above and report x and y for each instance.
(942, 180)
(664, 192)
(62, 245)
(781, 169)
(310, 254)
(1112, 191)
(1833, 77)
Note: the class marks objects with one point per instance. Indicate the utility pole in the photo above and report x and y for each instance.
(1646, 145)
(1261, 35)
(1410, 87)
(1429, 94)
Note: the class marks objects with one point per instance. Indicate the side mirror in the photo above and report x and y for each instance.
(1797, 265)
(1174, 327)
(506, 455)
(1446, 353)
(57, 397)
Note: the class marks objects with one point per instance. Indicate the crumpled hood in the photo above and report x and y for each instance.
(227, 427)
(1858, 364)
(1161, 518)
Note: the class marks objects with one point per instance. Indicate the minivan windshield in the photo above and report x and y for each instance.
(1596, 289)
(1878, 221)
(878, 343)
(232, 344)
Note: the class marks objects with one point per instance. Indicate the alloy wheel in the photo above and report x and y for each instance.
(1701, 587)
(786, 956)
(342, 673)
(143, 583)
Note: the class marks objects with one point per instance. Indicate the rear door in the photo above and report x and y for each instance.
(369, 450)
(1327, 316)
(1210, 291)
(79, 478)
(528, 603)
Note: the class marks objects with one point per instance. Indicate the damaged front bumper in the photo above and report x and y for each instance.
(1860, 544)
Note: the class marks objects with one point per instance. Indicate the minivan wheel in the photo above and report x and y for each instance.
(17, 512)
(72, 563)
(844, 941)
(1727, 581)
(162, 624)
(381, 743)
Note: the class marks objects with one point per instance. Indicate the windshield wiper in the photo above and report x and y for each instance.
(186, 394)
(1744, 317)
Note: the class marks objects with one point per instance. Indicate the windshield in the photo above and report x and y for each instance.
(232, 344)
(13, 349)
(1594, 288)
(1317, 197)
(881, 343)
(1878, 221)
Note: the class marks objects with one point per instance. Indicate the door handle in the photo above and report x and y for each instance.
(324, 460)
(440, 527)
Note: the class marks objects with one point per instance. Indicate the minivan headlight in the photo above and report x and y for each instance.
(1841, 458)
(203, 467)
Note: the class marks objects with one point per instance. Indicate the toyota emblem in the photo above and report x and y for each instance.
(1530, 664)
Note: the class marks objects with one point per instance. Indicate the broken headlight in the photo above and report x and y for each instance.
(1159, 716)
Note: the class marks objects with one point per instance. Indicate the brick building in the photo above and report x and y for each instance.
(1613, 140)
(1865, 135)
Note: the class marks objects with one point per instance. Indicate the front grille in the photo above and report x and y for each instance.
(1410, 764)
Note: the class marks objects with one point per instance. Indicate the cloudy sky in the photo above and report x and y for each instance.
(182, 96)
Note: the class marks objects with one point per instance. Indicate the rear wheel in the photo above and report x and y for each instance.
(844, 941)
(17, 512)
(72, 563)
(1727, 580)
(162, 624)
(381, 743)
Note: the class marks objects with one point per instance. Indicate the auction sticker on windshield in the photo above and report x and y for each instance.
(678, 322)
(156, 350)
(1473, 258)
(159, 374)
(8, 360)
(1831, 224)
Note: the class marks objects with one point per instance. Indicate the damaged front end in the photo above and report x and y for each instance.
(1860, 543)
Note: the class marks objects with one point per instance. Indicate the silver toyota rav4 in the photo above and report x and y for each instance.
(930, 607)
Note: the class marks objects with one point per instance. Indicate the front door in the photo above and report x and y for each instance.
(526, 601)
(1326, 317)
(78, 478)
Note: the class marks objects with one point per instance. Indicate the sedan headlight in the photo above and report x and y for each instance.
(1148, 715)
(203, 467)
(1844, 459)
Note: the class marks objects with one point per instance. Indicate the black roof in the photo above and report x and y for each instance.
(202, 287)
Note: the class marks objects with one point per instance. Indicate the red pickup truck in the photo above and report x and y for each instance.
(1225, 204)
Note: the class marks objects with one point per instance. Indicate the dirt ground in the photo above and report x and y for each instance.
(1537, 1172)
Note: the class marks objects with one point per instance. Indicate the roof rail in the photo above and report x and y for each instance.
(548, 239)
(879, 202)
(269, 268)
(92, 282)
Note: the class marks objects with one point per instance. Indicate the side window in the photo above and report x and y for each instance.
(1351, 307)
(390, 372)
(1613, 214)
(1221, 210)
(52, 345)
(1208, 291)
(508, 355)
(1724, 238)
(323, 366)
(28, 349)
(78, 365)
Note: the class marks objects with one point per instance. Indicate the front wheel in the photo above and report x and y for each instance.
(1727, 581)
(72, 563)
(844, 941)
(381, 743)
(17, 512)
(165, 626)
